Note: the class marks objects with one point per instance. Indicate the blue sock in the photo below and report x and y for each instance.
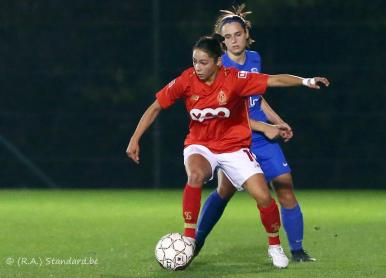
(293, 225)
(211, 212)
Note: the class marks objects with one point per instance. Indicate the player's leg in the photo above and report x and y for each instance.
(225, 188)
(292, 216)
(213, 209)
(199, 165)
(244, 172)
(269, 214)
(276, 170)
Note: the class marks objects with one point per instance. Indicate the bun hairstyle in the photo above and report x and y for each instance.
(218, 37)
(213, 45)
(237, 14)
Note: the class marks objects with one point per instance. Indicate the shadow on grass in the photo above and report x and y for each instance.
(224, 262)
(114, 276)
(234, 260)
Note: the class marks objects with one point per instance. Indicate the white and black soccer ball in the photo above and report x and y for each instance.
(174, 251)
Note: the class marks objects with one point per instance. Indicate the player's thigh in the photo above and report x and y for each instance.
(238, 166)
(258, 188)
(224, 187)
(200, 163)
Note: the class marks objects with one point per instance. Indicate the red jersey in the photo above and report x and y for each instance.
(218, 112)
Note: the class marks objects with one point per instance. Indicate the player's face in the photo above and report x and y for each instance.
(235, 37)
(205, 66)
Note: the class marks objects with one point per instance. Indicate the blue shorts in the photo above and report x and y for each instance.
(271, 159)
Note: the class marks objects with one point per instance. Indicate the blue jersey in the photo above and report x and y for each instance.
(252, 64)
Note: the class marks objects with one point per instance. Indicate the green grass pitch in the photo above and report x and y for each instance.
(118, 230)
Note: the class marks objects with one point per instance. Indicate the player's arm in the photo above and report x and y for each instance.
(164, 98)
(274, 118)
(271, 131)
(247, 84)
(287, 80)
(144, 123)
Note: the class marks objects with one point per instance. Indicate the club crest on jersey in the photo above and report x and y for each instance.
(242, 74)
(222, 98)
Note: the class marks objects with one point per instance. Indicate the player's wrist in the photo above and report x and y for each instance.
(279, 122)
(308, 82)
(134, 140)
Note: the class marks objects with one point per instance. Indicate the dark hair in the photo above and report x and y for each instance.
(237, 15)
(213, 45)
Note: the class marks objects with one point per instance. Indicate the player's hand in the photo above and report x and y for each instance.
(285, 131)
(315, 82)
(133, 151)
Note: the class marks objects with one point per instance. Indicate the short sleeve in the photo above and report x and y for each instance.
(250, 83)
(171, 92)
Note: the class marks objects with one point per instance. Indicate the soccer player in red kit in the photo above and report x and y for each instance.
(219, 133)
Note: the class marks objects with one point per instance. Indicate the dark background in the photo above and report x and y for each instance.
(76, 76)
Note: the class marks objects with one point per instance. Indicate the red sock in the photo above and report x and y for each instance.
(191, 204)
(270, 218)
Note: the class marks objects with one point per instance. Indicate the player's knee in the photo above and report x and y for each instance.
(196, 177)
(287, 200)
(285, 194)
(264, 200)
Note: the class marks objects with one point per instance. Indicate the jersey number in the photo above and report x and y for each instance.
(249, 154)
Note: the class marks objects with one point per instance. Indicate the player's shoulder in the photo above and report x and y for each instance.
(253, 61)
(187, 76)
(188, 73)
(230, 71)
(225, 56)
(183, 80)
(253, 54)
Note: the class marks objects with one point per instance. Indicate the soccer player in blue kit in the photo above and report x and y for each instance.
(235, 28)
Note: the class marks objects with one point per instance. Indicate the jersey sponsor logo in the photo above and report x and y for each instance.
(222, 98)
(171, 83)
(209, 113)
(242, 74)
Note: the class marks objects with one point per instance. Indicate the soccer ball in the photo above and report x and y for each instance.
(174, 251)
